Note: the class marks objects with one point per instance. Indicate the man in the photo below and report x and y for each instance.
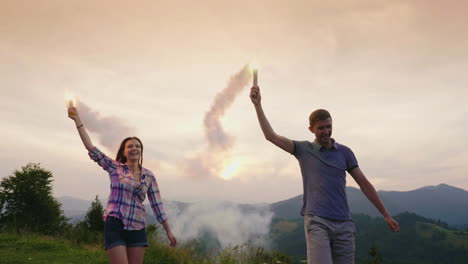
(328, 227)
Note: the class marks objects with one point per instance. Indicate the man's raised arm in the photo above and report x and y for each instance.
(284, 143)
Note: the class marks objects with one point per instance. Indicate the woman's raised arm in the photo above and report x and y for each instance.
(73, 114)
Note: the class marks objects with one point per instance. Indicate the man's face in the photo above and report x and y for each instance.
(323, 131)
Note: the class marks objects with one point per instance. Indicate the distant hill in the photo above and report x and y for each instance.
(444, 202)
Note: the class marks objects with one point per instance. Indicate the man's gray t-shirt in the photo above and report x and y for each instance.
(324, 178)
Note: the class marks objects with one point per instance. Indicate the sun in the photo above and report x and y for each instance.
(231, 167)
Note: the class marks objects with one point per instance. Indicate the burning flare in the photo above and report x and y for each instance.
(70, 100)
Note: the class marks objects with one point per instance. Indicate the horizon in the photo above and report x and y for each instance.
(393, 78)
(260, 203)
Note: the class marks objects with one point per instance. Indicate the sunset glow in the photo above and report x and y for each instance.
(231, 168)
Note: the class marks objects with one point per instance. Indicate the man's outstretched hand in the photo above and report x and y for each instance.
(392, 224)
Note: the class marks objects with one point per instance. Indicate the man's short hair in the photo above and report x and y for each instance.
(318, 115)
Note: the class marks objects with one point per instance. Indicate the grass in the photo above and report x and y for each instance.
(46, 250)
(36, 249)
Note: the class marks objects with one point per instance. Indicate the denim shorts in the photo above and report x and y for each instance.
(116, 235)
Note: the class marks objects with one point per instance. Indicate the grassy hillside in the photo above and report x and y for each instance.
(443, 236)
(34, 249)
(40, 249)
(420, 241)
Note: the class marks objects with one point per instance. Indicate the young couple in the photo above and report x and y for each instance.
(324, 162)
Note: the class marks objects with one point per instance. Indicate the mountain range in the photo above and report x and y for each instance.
(442, 202)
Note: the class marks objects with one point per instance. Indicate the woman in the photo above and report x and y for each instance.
(124, 232)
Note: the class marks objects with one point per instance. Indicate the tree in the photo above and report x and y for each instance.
(93, 218)
(374, 256)
(91, 228)
(27, 204)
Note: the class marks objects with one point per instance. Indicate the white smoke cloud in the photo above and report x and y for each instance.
(229, 223)
(110, 130)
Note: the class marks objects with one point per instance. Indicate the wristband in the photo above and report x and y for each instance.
(79, 126)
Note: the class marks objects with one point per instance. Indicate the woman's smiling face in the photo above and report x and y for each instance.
(132, 150)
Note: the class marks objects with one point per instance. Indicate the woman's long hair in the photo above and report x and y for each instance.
(120, 154)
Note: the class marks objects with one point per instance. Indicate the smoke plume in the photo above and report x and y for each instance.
(210, 161)
(110, 130)
(216, 136)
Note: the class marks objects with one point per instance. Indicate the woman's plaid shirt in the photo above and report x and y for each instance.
(127, 195)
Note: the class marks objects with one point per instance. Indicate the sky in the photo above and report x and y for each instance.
(392, 74)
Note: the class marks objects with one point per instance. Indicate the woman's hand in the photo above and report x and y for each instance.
(73, 114)
(172, 239)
